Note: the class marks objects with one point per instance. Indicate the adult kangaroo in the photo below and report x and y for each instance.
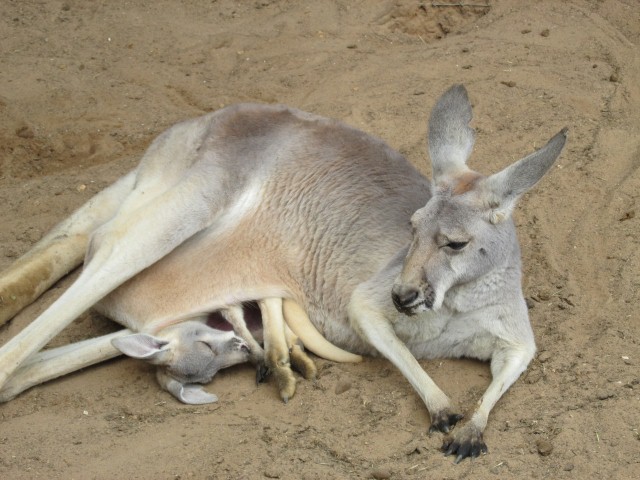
(256, 202)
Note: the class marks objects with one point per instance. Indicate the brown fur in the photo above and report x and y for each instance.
(466, 182)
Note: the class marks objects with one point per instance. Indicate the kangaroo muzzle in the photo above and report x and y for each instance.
(410, 299)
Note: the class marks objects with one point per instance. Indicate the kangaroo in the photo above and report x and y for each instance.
(264, 203)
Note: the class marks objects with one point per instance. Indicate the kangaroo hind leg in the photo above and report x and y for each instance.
(50, 364)
(59, 252)
(119, 249)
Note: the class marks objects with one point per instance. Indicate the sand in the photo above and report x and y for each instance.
(84, 88)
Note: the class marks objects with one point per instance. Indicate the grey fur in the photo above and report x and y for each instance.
(188, 354)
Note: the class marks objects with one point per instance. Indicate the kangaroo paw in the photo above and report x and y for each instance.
(465, 443)
(444, 421)
(262, 372)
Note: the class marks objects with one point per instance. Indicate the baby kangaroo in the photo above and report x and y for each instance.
(264, 203)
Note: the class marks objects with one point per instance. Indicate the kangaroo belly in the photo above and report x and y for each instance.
(204, 274)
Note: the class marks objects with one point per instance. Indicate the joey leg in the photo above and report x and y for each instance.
(276, 350)
(235, 316)
(300, 361)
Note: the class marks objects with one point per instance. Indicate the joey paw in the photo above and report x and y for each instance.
(286, 382)
(465, 443)
(302, 363)
(444, 421)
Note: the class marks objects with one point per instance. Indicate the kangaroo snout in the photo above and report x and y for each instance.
(403, 296)
(410, 300)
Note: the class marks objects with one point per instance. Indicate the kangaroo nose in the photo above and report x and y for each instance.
(403, 296)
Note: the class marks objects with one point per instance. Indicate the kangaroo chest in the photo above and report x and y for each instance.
(437, 335)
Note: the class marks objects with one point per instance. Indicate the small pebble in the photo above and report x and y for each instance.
(544, 356)
(568, 467)
(614, 78)
(416, 448)
(544, 446)
(342, 386)
(499, 468)
(509, 83)
(533, 376)
(605, 394)
(544, 296)
(271, 473)
(25, 132)
(545, 32)
(381, 473)
(628, 215)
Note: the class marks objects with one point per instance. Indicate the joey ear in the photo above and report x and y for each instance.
(504, 188)
(143, 346)
(196, 395)
(189, 393)
(450, 136)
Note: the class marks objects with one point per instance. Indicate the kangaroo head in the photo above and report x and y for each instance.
(465, 230)
(186, 354)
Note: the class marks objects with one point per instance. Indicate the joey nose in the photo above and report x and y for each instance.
(403, 296)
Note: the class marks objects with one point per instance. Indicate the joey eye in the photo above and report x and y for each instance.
(457, 246)
(207, 346)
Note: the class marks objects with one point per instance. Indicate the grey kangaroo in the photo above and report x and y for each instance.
(265, 203)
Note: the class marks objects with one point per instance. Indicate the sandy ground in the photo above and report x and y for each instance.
(85, 86)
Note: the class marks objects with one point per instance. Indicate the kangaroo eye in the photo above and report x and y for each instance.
(457, 246)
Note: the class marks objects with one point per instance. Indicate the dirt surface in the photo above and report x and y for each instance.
(85, 86)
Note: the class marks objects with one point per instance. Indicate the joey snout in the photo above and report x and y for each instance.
(238, 344)
(236, 350)
(410, 299)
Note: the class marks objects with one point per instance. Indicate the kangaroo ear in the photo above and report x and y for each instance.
(504, 188)
(144, 347)
(450, 136)
(189, 393)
